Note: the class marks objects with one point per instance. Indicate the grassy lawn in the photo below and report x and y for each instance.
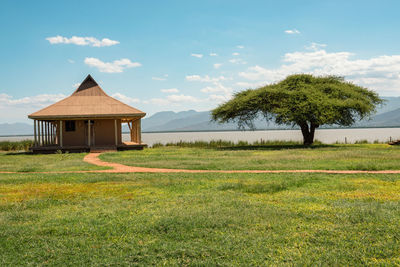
(25, 162)
(330, 157)
(199, 219)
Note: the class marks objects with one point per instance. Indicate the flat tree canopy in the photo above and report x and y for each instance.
(304, 100)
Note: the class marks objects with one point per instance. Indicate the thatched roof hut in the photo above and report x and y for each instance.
(88, 119)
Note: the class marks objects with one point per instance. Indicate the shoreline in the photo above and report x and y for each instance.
(238, 130)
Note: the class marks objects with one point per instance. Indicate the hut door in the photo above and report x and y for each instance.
(92, 143)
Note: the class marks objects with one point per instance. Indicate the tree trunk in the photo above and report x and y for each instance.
(308, 133)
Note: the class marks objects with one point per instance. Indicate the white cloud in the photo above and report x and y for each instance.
(217, 65)
(17, 109)
(213, 54)
(125, 99)
(111, 67)
(158, 101)
(91, 41)
(206, 78)
(237, 61)
(219, 98)
(37, 101)
(76, 85)
(218, 87)
(381, 73)
(163, 78)
(197, 55)
(172, 90)
(182, 98)
(294, 31)
(315, 46)
(240, 46)
(235, 54)
(174, 100)
(71, 61)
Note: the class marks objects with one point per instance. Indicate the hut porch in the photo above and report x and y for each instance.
(86, 135)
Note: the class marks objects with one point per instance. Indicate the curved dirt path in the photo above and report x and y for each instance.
(93, 158)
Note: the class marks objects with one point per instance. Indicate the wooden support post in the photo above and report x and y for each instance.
(61, 133)
(51, 132)
(34, 132)
(134, 131)
(116, 132)
(38, 125)
(139, 129)
(46, 132)
(42, 132)
(49, 129)
(54, 133)
(88, 133)
(56, 130)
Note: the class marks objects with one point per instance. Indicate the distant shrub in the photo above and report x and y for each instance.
(361, 142)
(223, 143)
(158, 144)
(14, 146)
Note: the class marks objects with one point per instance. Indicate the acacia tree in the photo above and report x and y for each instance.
(301, 100)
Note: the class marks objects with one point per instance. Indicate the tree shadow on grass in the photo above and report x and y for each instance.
(275, 147)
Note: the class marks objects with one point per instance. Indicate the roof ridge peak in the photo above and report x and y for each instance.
(88, 83)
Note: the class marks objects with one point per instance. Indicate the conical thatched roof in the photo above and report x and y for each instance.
(88, 101)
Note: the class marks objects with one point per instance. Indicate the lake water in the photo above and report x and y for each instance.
(327, 136)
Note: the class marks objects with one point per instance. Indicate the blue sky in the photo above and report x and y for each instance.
(180, 55)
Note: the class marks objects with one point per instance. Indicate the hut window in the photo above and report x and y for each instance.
(70, 126)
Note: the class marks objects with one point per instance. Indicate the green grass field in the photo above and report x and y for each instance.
(199, 219)
(272, 157)
(91, 219)
(25, 162)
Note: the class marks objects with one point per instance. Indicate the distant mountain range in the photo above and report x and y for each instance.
(387, 116)
(387, 119)
(191, 120)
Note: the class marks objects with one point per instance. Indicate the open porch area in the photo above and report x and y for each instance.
(85, 135)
